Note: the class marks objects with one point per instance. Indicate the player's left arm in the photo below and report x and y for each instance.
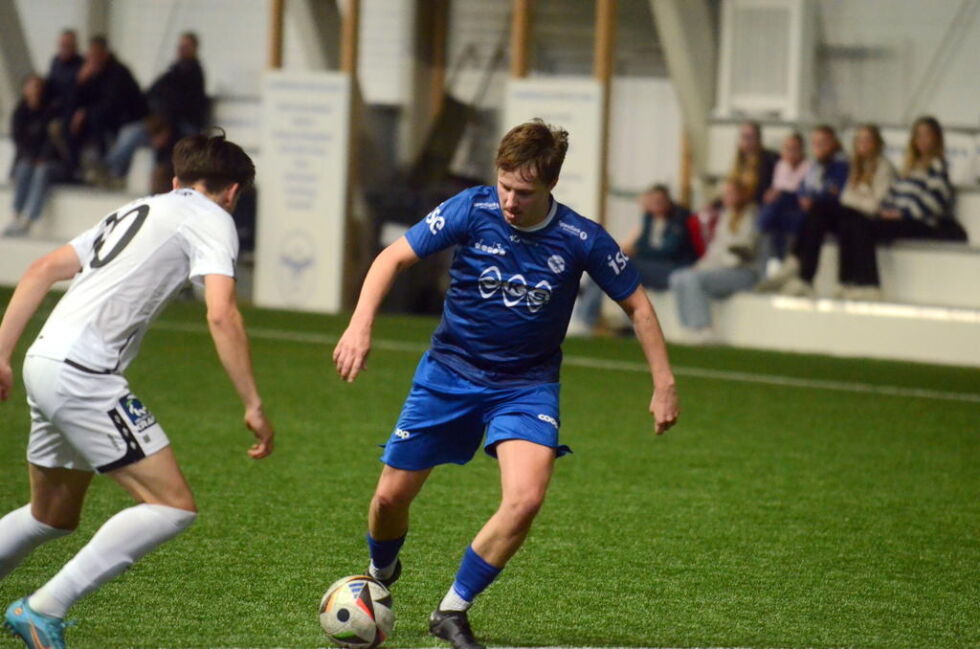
(230, 340)
(664, 404)
(61, 264)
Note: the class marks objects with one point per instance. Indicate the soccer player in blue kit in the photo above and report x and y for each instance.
(495, 357)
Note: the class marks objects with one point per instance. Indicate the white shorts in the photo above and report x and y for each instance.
(85, 420)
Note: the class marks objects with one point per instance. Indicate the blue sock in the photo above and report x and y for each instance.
(474, 575)
(384, 553)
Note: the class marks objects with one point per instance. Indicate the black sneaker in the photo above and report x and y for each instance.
(395, 574)
(453, 626)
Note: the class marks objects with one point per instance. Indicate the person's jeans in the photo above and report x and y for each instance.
(31, 182)
(131, 137)
(779, 221)
(694, 289)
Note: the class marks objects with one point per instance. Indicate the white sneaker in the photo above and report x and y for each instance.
(796, 287)
(18, 227)
(789, 270)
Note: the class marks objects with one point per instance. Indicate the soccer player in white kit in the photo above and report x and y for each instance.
(84, 419)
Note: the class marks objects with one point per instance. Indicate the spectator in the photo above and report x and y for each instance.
(781, 215)
(178, 103)
(659, 245)
(63, 73)
(35, 161)
(918, 205)
(819, 196)
(728, 265)
(753, 165)
(107, 96)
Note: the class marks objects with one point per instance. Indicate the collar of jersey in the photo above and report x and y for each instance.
(540, 226)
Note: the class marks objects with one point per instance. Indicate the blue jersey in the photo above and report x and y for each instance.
(511, 292)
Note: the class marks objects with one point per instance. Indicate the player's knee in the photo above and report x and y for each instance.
(389, 500)
(522, 509)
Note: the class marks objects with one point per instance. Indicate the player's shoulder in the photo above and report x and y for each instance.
(478, 197)
(576, 227)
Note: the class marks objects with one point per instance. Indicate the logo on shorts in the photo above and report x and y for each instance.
(402, 434)
(137, 413)
(548, 418)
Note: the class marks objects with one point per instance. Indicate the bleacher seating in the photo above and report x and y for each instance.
(930, 312)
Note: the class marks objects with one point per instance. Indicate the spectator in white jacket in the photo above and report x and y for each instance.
(728, 265)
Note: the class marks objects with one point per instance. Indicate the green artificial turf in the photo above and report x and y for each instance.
(771, 516)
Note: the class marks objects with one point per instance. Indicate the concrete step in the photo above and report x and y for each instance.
(836, 327)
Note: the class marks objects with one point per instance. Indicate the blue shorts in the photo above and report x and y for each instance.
(445, 416)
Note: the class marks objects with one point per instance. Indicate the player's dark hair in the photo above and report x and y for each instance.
(659, 188)
(100, 40)
(535, 150)
(213, 160)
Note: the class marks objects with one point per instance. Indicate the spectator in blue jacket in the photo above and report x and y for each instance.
(819, 197)
(657, 246)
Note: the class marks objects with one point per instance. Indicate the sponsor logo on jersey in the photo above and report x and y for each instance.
(514, 290)
(402, 434)
(549, 419)
(435, 220)
(617, 263)
(495, 249)
(137, 413)
(579, 232)
(487, 206)
(557, 264)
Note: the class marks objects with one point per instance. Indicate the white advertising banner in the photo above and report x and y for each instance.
(575, 104)
(302, 182)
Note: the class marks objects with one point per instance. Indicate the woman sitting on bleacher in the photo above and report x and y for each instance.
(918, 205)
(728, 265)
(819, 197)
(781, 215)
(35, 161)
(753, 165)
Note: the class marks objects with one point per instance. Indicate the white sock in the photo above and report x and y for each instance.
(453, 601)
(121, 541)
(20, 533)
(382, 573)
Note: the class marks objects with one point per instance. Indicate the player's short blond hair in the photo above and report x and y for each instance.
(535, 150)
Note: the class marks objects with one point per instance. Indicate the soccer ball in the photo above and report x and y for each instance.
(356, 612)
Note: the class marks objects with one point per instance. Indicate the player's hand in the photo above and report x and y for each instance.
(350, 354)
(6, 380)
(261, 427)
(665, 408)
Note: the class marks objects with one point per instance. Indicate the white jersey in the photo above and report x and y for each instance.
(133, 262)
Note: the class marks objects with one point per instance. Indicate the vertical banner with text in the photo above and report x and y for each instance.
(575, 104)
(302, 183)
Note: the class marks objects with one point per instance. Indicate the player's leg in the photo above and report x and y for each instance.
(57, 495)
(525, 471)
(388, 519)
(440, 422)
(166, 508)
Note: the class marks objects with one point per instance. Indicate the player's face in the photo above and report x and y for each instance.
(524, 202)
(792, 151)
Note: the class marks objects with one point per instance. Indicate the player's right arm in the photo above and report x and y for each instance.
(228, 331)
(61, 264)
(350, 354)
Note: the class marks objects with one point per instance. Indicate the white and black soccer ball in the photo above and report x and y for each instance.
(356, 612)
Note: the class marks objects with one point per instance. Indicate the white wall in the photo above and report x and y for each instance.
(875, 55)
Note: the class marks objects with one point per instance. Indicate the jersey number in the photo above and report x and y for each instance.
(114, 221)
